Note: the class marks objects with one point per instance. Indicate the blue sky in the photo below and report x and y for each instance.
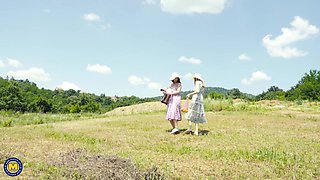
(131, 47)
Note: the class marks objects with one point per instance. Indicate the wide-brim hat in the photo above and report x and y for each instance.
(198, 76)
(174, 75)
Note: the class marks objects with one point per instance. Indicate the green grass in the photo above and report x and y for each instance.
(236, 143)
(9, 119)
(228, 105)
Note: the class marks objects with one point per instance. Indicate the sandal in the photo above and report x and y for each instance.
(196, 133)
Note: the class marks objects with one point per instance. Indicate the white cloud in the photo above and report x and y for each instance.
(150, 2)
(255, 77)
(14, 63)
(281, 46)
(91, 17)
(193, 6)
(154, 85)
(2, 64)
(68, 85)
(190, 60)
(102, 69)
(134, 80)
(245, 57)
(188, 76)
(34, 74)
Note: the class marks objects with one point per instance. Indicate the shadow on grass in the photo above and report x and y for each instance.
(185, 132)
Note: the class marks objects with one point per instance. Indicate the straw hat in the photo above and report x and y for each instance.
(173, 76)
(198, 76)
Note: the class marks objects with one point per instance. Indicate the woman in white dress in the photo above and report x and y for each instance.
(196, 109)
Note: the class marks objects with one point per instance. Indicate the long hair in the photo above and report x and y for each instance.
(178, 80)
(196, 79)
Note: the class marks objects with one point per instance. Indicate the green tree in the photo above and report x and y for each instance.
(91, 107)
(215, 95)
(73, 108)
(308, 88)
(11, 98)
(273, 93)
(43, 105)
(234, 93)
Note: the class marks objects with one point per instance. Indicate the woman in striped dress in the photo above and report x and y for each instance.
(173, 106)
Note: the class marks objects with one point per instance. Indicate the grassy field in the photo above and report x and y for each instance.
(240, 141)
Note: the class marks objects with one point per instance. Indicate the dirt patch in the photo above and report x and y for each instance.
(79, 164)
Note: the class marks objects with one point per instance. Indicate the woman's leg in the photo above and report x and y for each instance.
(175, 128)
(190, 126)
(189, 130)
(172, 123)
(175, 122)
(196, 132)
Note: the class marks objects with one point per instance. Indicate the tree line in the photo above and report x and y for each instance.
(25, 96)
(308, 88)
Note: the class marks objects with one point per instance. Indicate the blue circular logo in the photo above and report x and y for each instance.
(13, 166)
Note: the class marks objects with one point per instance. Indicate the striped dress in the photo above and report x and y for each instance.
(173, 106)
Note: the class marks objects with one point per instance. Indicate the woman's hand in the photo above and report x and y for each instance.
(169, 91)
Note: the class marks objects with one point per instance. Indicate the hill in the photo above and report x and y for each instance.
(233, 93)
(147, 107)
(210, 89)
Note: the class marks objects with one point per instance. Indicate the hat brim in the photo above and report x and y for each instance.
(173, 77)
(195, 77)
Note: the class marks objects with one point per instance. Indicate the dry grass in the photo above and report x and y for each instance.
(149, 107)
(233, 145)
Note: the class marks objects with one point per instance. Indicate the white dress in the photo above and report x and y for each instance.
(196, 109)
